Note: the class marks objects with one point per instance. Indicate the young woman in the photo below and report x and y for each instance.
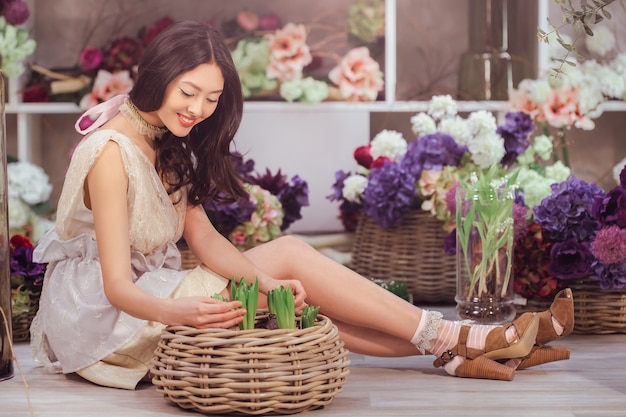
(133, 189)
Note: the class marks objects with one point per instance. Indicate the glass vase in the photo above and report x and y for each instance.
(6, 355)
(484, 255)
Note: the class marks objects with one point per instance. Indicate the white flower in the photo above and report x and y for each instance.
(611, 83)
(19, 213)
(602, 41)
(353, 187)
(457, 128)
(389, 143)
(619, 63)
(617, 169)
(28, 182)
(482, 122)
(535, 186)
(423, 124)
(557, 172)
(538, 90)
(442, 107)
(486, 149)
(555, 50)
(14, 48)
(40, 225)
(543, 146)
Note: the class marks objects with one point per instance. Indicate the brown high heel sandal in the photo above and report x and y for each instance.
(562, 309)
(483, 363)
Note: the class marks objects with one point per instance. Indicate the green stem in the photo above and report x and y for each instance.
(564, 150)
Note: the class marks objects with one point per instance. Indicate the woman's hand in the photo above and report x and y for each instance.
(299, 294)
(203, 312)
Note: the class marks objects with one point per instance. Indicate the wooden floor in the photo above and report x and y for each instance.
(591, 384)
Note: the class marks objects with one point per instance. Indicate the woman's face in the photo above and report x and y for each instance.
(190, 98)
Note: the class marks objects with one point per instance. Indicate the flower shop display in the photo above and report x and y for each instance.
(29, 200)
(26, 283)
(308, 62)
(484, 225)
(253, 370)
(15, 44)
(398, 185)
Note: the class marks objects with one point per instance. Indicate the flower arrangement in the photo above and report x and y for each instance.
(15, 44)
(26, 276)
(274, 203)
(577, 232)
(273, 60)
(29, 191)
(394, 176)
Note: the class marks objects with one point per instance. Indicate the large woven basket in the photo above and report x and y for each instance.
(596, 311)
(251, 372)
(20, 325)
(410, 252)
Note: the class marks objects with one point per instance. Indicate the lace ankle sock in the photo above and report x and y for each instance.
(435, 336)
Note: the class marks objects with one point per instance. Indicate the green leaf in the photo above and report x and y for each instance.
(308, 316)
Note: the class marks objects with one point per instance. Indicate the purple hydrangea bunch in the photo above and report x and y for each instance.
(516, 132)
(567, 221)
(293, 195)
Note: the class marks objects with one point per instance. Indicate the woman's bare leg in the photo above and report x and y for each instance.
(342, 294)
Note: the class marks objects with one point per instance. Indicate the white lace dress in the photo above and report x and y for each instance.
(76, 328)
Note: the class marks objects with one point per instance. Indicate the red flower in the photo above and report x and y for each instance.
(20, 241)
(158, 27)
(36, 93)
(363, 156)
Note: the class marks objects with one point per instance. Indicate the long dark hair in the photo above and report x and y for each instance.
(202, 159)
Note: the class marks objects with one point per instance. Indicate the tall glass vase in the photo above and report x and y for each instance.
(486, 71)
(484, 220)
(6, 356)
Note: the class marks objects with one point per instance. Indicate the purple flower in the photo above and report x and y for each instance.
(567, 212)
(432, 151)
(225, 217)
(293, 197)
(515, 131)
(611, 208)
(449, 243)
(622, 177)
(570, 259)
(611, 276)
(337, 187)
(520, 224)
(21, 263)
(15, 12)
(609, 245)
(389, 194)
(243, 168)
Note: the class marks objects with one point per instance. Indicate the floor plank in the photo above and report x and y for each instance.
(591, 384)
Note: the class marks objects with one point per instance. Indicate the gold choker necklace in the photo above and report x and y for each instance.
(131, 113)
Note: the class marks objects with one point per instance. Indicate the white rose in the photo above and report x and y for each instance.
(353, 187)
(389, 143)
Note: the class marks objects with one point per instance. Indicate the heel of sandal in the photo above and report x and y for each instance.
(484, 368)
(545, 354)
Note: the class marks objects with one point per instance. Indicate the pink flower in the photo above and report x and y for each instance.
(609, 245)
(90, 58)
(358, 76)
(289, 53)
(561, 108)
(520, 101)
(248, 20)
(157, 28)
(106, 86)
(15, 12)
(270, 22)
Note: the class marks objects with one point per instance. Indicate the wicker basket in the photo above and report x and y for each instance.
(410, 252)
(20, 324)
(596, 311)
(253, 372)
(187, 258)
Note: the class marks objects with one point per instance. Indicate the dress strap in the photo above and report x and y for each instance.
(99, 114)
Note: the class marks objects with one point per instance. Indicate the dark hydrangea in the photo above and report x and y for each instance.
(570, 259)
(610, 209)
(622, 177)
(611, 276)
(432, 152)
(226, 216)
(567, 212)
(22, 265)
(244, 168)
(515, 131)
(449, 243)
(389, 194)
(293, 197)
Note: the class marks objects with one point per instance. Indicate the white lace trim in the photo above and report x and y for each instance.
(427, 330)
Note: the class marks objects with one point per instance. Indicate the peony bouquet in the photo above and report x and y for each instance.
(394, 176)
(29, 193)
(273, 204)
